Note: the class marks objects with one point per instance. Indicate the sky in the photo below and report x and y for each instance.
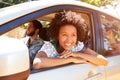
(115, 9)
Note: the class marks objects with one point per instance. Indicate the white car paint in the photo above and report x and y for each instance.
(28, 7)
(14, 56)
(69, 72)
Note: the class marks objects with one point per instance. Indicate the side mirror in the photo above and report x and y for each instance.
(14, 59)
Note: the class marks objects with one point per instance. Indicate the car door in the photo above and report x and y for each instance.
(72, 71)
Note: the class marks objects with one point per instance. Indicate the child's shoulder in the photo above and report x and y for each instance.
(80, 43)
(47, 43)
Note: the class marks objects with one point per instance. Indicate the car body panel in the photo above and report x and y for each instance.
(113, 70)
(71, 72)
(14, 59)
(25, 8)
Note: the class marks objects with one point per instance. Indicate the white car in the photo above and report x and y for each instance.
(104, 38)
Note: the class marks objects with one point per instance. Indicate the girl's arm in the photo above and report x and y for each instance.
(90, 56)
(42, 61)
(93, 57)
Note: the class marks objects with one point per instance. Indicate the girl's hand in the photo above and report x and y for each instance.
(67, 54)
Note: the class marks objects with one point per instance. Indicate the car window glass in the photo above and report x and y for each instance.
(18, 32)
(111, 35)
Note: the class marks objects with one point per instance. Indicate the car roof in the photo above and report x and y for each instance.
(15, 11)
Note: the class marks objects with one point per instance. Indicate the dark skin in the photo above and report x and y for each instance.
(67, 38)
(66, 29)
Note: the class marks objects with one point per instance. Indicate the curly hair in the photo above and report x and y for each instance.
(37, 25)
(68, 18)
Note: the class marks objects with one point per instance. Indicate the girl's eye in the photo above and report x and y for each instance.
(64, 35)
(73, 35)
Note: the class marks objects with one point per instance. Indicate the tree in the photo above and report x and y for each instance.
(99, 2)
(5, 3)
(108, 5)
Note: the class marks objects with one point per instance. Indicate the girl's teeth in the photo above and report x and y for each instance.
(68, 44)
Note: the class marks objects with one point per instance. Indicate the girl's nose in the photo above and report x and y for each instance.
(69, 39)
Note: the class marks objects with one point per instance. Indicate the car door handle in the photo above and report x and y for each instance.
(96, 76)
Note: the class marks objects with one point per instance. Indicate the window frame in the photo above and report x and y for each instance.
(34, 15)
(101, 31)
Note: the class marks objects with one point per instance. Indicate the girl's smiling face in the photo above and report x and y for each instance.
(67, 36)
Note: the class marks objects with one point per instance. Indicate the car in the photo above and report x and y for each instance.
(103, 37)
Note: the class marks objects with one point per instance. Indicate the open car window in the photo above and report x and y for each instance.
(20, 31)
